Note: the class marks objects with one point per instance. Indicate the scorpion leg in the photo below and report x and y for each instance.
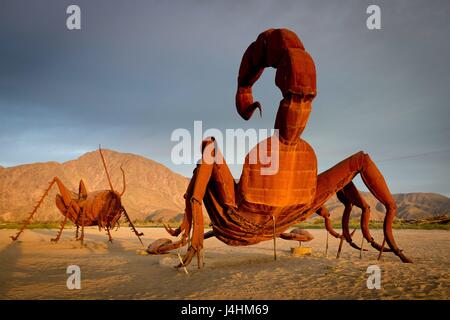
(335, 178)
(191, 253)
(185, 226)
(325, 214)
(202, 177)
(193, 218)
(352, 193)
(348, 206)
(161, 246)
(208, 234)
(210, 174)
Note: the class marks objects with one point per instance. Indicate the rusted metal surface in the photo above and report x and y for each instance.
(97, 208)
(243, 213)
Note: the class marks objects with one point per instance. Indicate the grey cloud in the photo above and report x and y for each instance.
(138, 70)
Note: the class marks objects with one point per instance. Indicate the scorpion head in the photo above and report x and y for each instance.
(295, 77)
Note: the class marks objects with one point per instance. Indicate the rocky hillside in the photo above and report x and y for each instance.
(166, 215)
(154, 193)
(410, 206)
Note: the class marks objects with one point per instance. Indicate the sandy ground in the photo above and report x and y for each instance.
(34, 268)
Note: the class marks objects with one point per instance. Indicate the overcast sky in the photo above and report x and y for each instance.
(137, 70)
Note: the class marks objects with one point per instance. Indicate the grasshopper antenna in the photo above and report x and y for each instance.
(123, 180)
(106, 168)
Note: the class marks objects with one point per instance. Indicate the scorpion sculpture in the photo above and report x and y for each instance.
(101, 208)
(262, 207)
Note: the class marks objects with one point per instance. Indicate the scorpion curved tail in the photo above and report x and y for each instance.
(282, 50)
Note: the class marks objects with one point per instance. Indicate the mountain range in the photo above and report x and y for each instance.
(153, 192)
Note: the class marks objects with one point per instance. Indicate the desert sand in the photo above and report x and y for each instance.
(34, 268)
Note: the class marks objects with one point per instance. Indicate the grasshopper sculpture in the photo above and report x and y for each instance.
(101, 208)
